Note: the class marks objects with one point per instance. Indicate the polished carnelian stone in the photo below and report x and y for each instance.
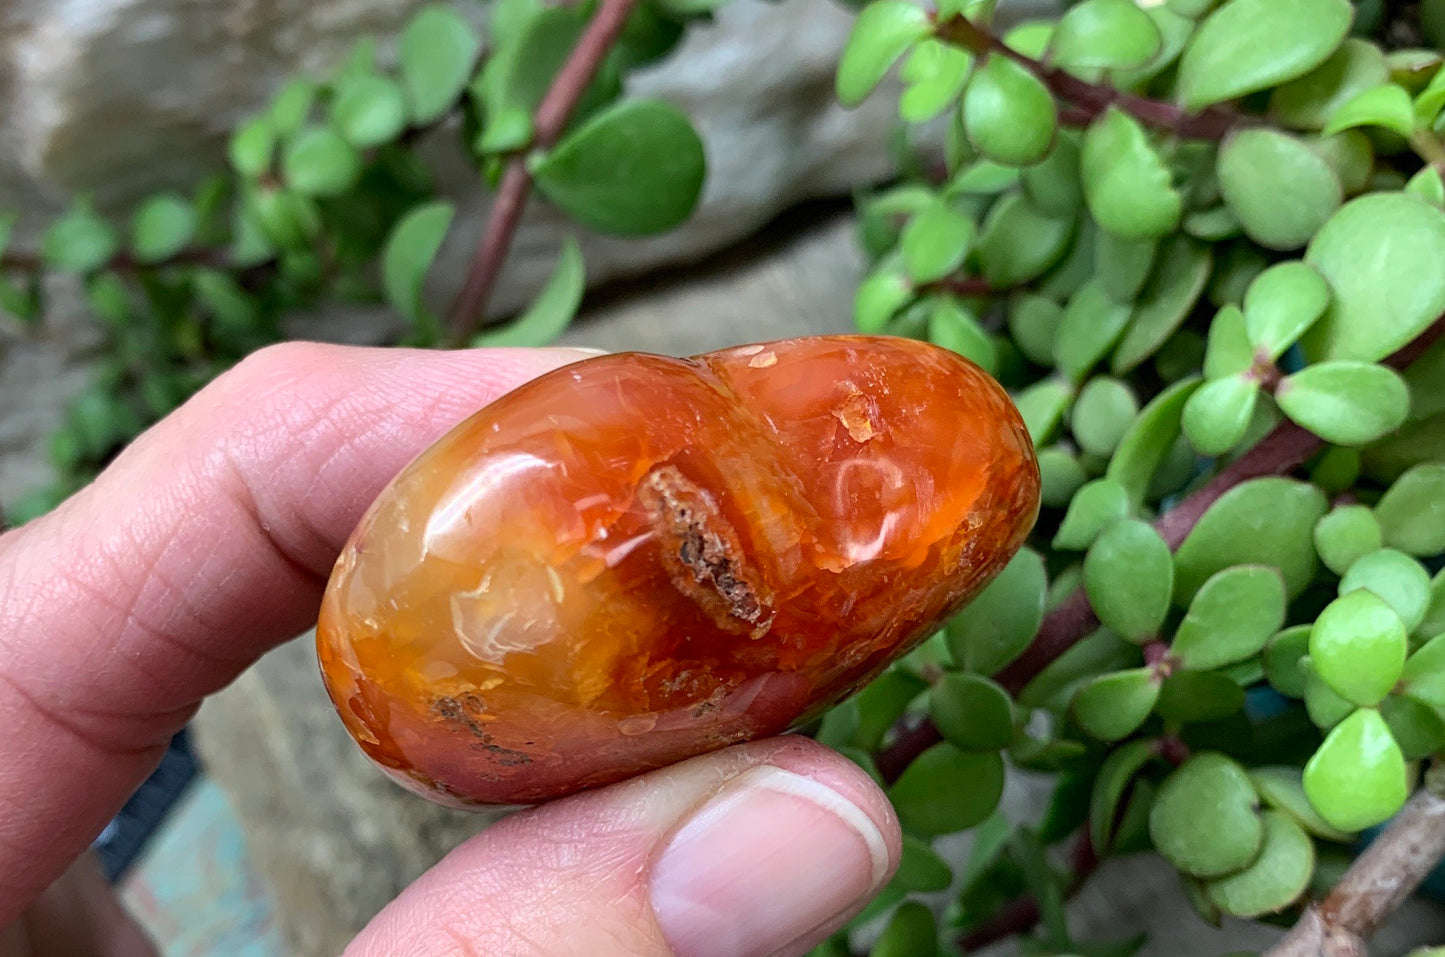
(635, 559)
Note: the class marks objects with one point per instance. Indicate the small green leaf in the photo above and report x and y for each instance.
(1228, 352)
(1060, 477)
(1042, 407)
(946, 790)
(438, 50)
(1416, 727)
(1052, 184)
(1104, 34)
(1284, 661)
(1019, 243)
(1205, 820)
(1113, 706)
(1033, 322)
(1249, 45)
(1102, 414)
(552, 310)
(1379, 255)
(1345, 535)
(879, 297)
(1434, 622)
(1281, 305)
(971, 712)
(1412, 512)
(1124, 264)
(882, 703)
(1265, 521)
(319, 162)
(1231, 617)
(1347, 403)
(1308, 102)
(1116, 775)
(1009, 114)
(1166, 301)
(1129, 576)
(920, 868)
(1149, 440)
(409, 252)
(1357, 778)
(369, 110)
(1324, 707)
(1394, 577)
(1424, 673)
(1281, 190)
(292, 106)
(1091, 324)
(162, 227)
(526, 59)
(1357, 647)
(1387, 106)
(1427, 186)
(1277, 877)
(954, 328)
(883, 32)
(936, 74)
(634, 169)
(1191, 696)
(1282, 787)
(79, 241)
(1217, 415)
(1129, 189)
(935, 242)
(996, 627)
(1094, 507)
(252, 147)
(910, 932)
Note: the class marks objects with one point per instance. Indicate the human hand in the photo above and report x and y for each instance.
(209, 541)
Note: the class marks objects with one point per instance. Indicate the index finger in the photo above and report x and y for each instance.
(206, 543)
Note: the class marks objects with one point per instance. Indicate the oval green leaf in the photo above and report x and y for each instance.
(971, 712)
(1357, 778)
(946, 790)
(1249, 45)
(1358, 646)
(1281, 191)
(1129, 189)
(1265, 521)
(1346, 403)
(1129, 577)
(1412, 512)
(883, 32)
(1380, 254)
(1231, 617)
(633, 169)
(1205, 820)
(1113, 706)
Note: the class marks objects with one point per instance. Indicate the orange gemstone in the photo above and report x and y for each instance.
(636, 559)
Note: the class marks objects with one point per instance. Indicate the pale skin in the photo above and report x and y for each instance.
(208, 542)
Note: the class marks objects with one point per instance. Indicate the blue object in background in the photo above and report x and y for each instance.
(128, 833)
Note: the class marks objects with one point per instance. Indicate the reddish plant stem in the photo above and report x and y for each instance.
(548, 123)
(1089, 100)
(1021, 915)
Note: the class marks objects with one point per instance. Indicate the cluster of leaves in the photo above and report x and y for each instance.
(327, 199)
(1181, 233)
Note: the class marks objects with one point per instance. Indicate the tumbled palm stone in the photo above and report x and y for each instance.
(635, 559)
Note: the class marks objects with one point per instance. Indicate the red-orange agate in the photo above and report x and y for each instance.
(636, 559)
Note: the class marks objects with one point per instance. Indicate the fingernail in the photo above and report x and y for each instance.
(765, 864)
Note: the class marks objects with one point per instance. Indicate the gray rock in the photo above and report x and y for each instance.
(121, 97)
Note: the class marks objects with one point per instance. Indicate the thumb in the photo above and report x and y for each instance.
(755, 850)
